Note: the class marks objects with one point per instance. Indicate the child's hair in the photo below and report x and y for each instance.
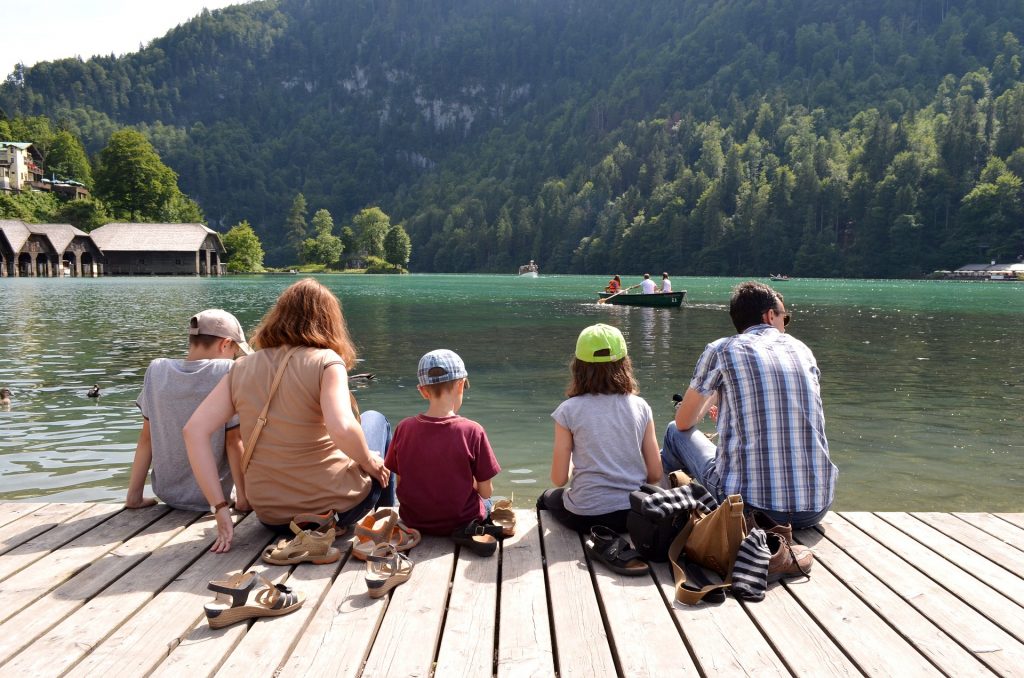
(445, 387)
(203, 340)
(601, 378)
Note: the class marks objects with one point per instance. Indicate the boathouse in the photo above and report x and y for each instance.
(160, 249)
(46, 250)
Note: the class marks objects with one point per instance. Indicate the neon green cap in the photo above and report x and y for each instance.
(598, 338)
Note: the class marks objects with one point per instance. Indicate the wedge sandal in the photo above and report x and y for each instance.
(383, 527)
(606, 546)
(271, 600)
(308, 546)
(504, 517)
(386, 568)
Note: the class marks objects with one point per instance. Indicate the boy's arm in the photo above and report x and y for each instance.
(140, 469)
(485, 488)
(234, 448)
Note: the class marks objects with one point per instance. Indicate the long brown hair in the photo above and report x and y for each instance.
(306, 314)
(601, 378)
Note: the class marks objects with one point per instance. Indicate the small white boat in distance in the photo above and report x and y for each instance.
(528, 270)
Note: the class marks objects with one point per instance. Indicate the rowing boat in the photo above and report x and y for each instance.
(670, 299)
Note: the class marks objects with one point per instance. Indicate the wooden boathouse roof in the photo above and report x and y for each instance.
(134, 237)
(59, 235)
(95, 589)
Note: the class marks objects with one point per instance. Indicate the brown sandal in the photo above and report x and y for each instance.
(272, 600)
(307, 546)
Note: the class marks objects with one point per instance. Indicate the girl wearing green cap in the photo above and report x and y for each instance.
(605, 433)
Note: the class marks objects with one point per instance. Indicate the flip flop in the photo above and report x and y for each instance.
(272, 600)
(503, 516)
(386, 568)
(615, 552)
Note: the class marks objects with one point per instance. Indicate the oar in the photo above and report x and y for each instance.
(605, 299)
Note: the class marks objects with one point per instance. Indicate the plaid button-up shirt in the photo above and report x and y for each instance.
(772, 447)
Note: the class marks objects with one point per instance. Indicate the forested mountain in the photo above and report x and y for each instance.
(815, 137)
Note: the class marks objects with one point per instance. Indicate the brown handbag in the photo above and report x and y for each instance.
(711, 540)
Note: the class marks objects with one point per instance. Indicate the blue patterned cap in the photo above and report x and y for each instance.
(441, 359)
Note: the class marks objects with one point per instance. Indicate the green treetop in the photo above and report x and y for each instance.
(245, 253)
(397, 247)
(132, 180)
(372, 225)
(295, 226)
(67, 159)
(325, 248)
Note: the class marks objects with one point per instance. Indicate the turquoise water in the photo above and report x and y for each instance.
(923, 381)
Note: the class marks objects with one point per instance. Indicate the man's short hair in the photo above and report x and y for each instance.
(749, 302)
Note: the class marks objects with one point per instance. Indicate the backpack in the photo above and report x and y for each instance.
(652, 536)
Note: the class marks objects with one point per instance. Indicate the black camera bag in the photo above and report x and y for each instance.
(652, 536)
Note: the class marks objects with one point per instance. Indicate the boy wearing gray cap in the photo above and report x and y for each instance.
(444, 462)
(171, 391)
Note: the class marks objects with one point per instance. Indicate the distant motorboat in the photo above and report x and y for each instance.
(529, 270)
(778, 276)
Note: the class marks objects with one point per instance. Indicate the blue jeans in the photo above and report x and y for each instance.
(692, 452)
(377, 431)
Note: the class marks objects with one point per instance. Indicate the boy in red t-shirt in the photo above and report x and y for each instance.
(443, 462)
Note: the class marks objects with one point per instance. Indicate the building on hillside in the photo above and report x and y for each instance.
(21, 165)
(160, 249)
(47, 250)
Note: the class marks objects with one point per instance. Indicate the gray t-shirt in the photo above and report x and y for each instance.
(607, 434)
(171, 392)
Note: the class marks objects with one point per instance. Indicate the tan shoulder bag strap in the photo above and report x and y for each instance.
(261, 421)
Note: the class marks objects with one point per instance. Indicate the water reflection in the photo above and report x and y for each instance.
(923, 382)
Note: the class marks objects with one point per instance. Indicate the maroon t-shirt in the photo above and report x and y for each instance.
(436, 461)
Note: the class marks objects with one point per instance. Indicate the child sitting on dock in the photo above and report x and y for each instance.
(171, 391)
(443, 462)
(607, 433)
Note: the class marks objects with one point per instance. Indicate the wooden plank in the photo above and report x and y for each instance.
(956, 580)
(407, 639)
(722, 638)
(145, 639)
(979, 636)
(634, 608)
(877, 649)
(1012, 518)
(26, 586)
(524, 633)
(37, 522)
(987, 557)
(337, 638)
(581, 641)
(801, 643)
(80, 632)
(1005, 532)
(914, 627)
(269, 641)
(467, 646)
(11, 511)
(37, 618)
(203, 649)
(39, 546)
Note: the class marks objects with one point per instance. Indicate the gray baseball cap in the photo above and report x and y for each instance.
(219, 323)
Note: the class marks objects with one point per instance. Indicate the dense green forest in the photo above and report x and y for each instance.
(813, 137)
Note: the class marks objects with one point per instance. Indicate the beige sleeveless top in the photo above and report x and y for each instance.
(295, 466)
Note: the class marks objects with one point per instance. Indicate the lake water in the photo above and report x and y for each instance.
(923, 381)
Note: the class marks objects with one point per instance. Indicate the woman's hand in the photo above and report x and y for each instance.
(376, 469)
(225, 531)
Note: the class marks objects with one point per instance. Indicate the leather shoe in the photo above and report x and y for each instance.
(787, 560)
(761, 520)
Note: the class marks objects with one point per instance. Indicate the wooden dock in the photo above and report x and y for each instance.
(92, 589)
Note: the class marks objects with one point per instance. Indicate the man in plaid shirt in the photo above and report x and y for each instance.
(771, 446)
